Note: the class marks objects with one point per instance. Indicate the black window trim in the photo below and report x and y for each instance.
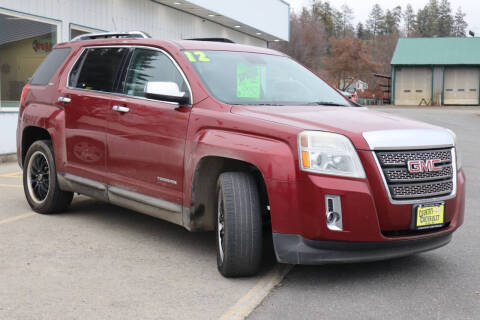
(123, 70)
(58, 71)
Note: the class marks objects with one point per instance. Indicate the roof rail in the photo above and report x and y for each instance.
(104, 35)
(212, 39)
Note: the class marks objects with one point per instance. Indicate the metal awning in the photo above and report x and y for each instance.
(267, 19)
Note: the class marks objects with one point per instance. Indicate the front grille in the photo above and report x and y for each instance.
(404, 185)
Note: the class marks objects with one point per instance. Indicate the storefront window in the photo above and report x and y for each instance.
(76, 30)
(24, 43)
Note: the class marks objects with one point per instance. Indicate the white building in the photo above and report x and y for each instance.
(30, 28)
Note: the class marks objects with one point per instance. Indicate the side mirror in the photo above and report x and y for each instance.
(166, 91)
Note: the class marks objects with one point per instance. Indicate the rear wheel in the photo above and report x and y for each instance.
(239, 225)
(40, 180)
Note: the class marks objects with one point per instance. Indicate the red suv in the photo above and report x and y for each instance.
(236, 139)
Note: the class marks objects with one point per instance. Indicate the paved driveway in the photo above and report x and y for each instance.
(98, 261)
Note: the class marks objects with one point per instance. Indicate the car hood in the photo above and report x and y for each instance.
(353, 122)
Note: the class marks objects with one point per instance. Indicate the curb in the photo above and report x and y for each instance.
(255, 296)
(9, 157)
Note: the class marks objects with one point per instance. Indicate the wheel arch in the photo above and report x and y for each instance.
(30, 135)
(202, 213)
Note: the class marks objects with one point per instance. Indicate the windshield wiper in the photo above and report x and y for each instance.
(326, 103)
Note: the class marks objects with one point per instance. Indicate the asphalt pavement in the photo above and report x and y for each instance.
(99, 261)
(441, 284)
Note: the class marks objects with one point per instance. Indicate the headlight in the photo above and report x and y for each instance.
(328, 153)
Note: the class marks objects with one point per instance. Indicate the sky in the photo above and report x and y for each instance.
(362, 8)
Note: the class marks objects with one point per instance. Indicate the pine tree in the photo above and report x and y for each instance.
(409, 18)
(360, 32)
(445, 19)
(459, 24)
(376, 20)
(392, 21)
(433, 13)
(347, 17)
(323, 11)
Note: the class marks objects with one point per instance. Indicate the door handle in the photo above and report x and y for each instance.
(121, 109)
(64, 99)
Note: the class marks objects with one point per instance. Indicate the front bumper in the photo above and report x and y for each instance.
(294, 249)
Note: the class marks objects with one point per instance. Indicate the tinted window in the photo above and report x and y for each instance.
(49, 66)
(151, 65)
(97, 69)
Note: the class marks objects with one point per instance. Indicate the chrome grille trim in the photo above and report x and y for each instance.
(403, 175)
(400, 158)
(430, 197)
(421, 190)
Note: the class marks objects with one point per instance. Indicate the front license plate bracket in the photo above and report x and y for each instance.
(427, 216)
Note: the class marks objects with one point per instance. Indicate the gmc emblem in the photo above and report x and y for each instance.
(418, 166)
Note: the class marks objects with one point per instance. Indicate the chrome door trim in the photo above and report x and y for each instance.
(151, 201)
(86, 182)
(409, 139)
(123, 94)
(142, 203)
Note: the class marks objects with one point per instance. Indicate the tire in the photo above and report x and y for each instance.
(239, 225)
(40, 180)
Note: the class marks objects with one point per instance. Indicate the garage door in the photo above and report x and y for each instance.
(412, 85)
(461, 86)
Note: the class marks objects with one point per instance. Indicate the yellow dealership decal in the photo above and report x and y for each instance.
(248, 81)
(196, 56)
(430, 216)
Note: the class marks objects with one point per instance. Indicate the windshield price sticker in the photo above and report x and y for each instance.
(196, 56)
(248, 81)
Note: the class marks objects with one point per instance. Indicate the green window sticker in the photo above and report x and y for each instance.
(199, 56)
(248, 81)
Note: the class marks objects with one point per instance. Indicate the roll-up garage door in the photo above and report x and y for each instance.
(461, 86)
(412, 85)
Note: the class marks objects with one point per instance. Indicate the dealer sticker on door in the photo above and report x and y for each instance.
(430, 215)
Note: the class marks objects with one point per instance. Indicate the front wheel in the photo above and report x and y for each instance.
(40, 180)
(239, 225)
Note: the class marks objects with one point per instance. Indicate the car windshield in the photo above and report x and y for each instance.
(246, 78)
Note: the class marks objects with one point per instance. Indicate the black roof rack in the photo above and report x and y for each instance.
(212, 39)
(104, 35)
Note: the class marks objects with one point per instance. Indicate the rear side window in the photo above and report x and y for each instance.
(98, 69)
(49, 66)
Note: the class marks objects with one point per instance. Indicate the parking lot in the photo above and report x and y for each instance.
(98, 261)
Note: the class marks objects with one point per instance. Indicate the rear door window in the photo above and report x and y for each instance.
(49, 66)
(98, 69)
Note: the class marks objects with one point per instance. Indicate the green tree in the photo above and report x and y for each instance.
(433, 15)
(361, 33)
(409, 18)
(347, 17)
(392, 21)
(376, 20)
(445, 19)
(459, 24)
(324, 12)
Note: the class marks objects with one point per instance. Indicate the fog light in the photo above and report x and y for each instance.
(333, 211)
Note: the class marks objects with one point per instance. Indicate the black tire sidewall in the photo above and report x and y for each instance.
(232, 264)
(45, 148)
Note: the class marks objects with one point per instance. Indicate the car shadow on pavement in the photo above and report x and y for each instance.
(419, 267)
(138, 226)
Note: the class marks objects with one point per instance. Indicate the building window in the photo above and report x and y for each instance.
(24, 42)
(76, 30)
